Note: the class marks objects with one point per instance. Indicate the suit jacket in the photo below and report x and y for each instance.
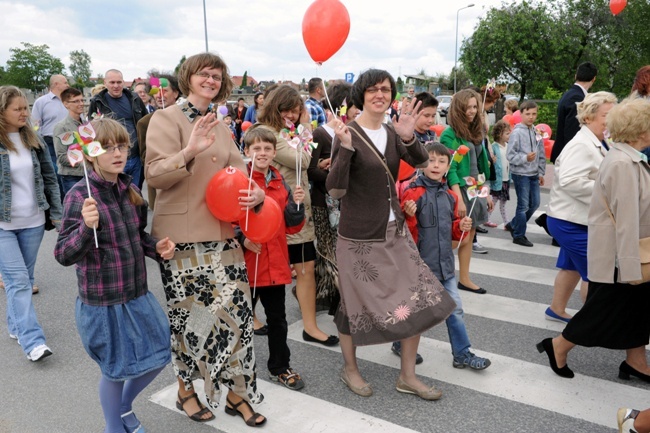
(567, 123)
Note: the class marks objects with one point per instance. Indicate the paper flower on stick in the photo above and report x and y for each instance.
(157, 84)
(460, 152)
(470, 181)
(81, 142)
(474, 192)
(298, 138)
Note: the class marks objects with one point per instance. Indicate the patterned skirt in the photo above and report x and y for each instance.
(388, 292)
(210, 316)
(327, 272)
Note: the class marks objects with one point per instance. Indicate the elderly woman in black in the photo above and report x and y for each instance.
(615, 315)
(387, 291)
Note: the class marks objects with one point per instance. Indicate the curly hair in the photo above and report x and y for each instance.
(630, 119)
(498, 129)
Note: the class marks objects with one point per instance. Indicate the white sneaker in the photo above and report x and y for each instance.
(14, 337)
(478, 248)
(39, 352)
(625, 418)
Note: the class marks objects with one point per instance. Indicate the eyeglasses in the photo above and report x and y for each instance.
(374, 90)
(205, 75)
(111, 149)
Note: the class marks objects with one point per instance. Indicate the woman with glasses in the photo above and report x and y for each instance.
(28, 190)
(208, 296)
(387, 291)
(73, 100)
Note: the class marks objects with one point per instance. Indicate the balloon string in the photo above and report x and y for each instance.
(327, 98)
(250, 185)
(89, 196)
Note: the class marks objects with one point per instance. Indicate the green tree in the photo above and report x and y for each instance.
(180, 62)
(244, 80)
(80, 68)
(399, 84)
(32, 66)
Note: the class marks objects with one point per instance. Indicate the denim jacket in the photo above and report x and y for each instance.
(48, 195)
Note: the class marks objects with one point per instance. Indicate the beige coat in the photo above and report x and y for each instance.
(180, 210)
(285, 162)
(623, 183)
(575, 173)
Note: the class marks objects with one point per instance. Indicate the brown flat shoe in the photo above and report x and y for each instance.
(363, 391)
(428, 394)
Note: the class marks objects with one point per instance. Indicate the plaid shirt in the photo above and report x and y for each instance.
(114, 273)
(316, 112)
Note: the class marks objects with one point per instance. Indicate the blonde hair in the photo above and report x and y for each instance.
(589, 106)
(98, 88)
(628, 120)
(195, 63)
(511, 104)
(109, 131)
(27, 134)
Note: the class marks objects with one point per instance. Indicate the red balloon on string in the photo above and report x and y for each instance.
(617, 6)
(438, 129)
(264, 225)
(544, 130)
(222, 194)
(508, 118)
(245, 125)
(325, 27)
(516, 117)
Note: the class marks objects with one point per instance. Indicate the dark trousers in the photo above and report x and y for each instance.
(272, 298)
(50, 147)
(69, 181)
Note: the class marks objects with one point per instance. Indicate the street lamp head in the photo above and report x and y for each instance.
(470, 5)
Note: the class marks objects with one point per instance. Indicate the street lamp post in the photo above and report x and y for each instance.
(205, 26)
(456, 47)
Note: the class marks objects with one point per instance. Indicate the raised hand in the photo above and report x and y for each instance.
(407, 119)
(342, 132)
(202, 136)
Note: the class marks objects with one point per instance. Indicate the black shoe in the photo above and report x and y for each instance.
(396, 348)
(541, 221)
(522, 241)
(480, 290)
(264, 330)
(508, 228)
(625, 371)
(546, 345)
(331, 340)
(480, 229)
(554, 243)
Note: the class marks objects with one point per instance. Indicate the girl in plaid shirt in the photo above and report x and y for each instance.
(121, 324)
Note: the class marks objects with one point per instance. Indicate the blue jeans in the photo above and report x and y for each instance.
(527, 189)
(455, 323)
(69, 181)
(17, 261)
(134, 169)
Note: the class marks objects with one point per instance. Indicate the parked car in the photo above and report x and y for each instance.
(443, 104)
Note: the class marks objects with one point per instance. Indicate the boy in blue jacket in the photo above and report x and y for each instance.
(431, 214)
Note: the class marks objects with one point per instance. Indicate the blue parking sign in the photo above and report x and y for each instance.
(349, 77)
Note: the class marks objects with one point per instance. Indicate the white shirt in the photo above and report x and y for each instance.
(24, 206)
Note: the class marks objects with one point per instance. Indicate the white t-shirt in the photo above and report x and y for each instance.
(379, 138)
(24, 206)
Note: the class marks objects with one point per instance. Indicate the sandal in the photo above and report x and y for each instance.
(290, 379)
(251, 421)
(472, 361)
(197, 416)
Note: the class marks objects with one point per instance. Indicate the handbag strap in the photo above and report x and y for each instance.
(372, 148)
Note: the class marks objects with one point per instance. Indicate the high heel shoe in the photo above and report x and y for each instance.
(625, 371)
(546, 345)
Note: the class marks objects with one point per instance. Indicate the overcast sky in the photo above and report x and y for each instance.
(263, 37)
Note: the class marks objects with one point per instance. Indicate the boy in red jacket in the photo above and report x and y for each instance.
(269, 272)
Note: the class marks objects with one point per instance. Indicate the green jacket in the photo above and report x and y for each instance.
(459, 170)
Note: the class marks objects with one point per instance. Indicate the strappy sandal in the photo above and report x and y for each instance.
(197, 416)
(251, 421)
(472, 361)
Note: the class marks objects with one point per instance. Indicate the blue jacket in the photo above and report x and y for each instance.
(48, 195)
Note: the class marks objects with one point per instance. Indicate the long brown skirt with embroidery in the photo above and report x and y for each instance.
(387, 291)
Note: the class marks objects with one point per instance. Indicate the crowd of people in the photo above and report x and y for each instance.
(366, 242)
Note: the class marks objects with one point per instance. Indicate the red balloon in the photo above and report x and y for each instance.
(548, 148)
(245, 125)
(438, 129)
(508, 118)
(222, 194)
(263, 226)
(516, 117)
(405, 171)
(617, 6)
(325, 27)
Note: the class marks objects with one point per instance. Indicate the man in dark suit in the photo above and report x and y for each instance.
(567, 110)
